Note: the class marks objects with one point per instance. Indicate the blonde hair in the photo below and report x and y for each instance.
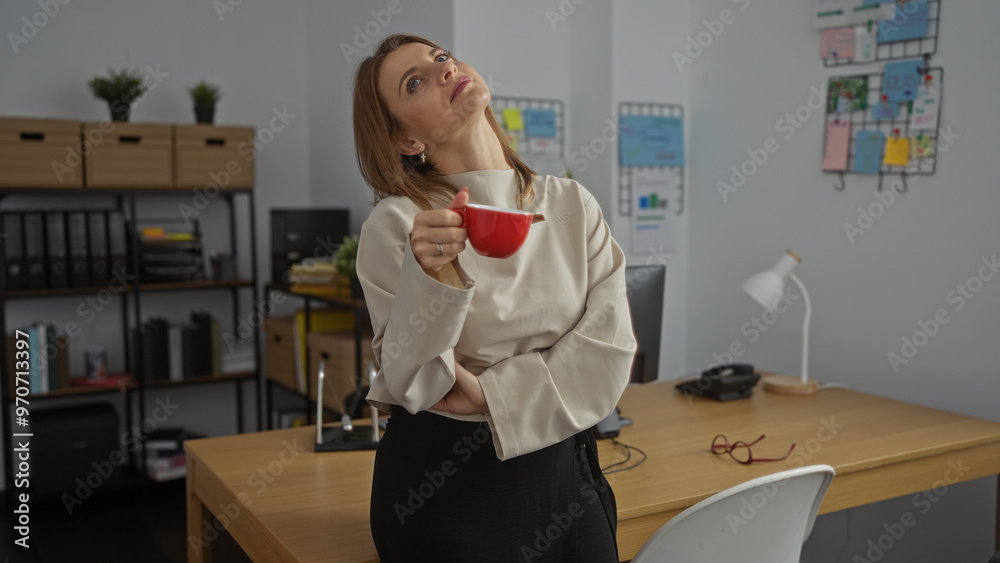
(376, 141)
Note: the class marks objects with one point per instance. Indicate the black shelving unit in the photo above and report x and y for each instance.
(126, 198)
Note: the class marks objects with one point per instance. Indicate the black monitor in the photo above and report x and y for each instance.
(645, 286)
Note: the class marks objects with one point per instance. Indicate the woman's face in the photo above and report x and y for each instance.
(433, 96)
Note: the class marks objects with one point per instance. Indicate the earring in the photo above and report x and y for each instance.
(423, 157)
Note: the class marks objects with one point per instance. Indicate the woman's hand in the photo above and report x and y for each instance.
(466, 396)
(437, 231)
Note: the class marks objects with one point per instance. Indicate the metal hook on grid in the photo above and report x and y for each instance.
(840, 185)
(903, 188)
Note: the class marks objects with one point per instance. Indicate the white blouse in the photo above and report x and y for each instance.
(547, 331)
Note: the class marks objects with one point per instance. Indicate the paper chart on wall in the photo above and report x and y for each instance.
(655, 201)
(844, 13)
(838, 141)
(925, 108)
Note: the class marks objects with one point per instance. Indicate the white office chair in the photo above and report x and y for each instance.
(765, 520)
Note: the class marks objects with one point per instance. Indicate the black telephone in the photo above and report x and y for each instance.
(723, 383)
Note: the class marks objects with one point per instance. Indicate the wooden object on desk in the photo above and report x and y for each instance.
(128, 155)
(317, 508)
(787, 384)
(31, 149)
(207, 154)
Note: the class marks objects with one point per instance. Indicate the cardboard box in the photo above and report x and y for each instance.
(40, 153)
(128, 155)
(223, 156)
(279, 351)
(337, 350)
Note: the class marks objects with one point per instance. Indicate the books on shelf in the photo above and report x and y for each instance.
(165, 456)
(177, 351)
(48, 360)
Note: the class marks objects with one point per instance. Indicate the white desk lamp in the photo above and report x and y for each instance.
(767, 288)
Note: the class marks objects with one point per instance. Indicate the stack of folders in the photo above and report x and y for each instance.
(176, 351)
(165, 457)
(48, 360)
(60, 249)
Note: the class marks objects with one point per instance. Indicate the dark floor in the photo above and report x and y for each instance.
(125, 526)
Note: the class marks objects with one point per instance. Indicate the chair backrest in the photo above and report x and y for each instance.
(764, 520)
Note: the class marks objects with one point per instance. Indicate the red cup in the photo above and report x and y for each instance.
(495, 232)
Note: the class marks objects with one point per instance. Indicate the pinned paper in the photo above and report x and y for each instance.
(539, 123)
(922, 146)
(838, 141)
(868, 151)
(512, 119)
(847, 94)
(901, 80)
(651, 140)
(837, 43)
(864, 44)
(909, 22)
(542, 146)
(885, 110)
(897, 151)
(925, 108)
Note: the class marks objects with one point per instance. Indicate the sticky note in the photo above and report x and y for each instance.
(864, 44)
(838, 141)
(885, 110)
(897, 151)
(909, 22)
(922, 146)
(868, 151)
(837, 43)
(539, 123)
(512, 119)
(901, 80)
(925, 108)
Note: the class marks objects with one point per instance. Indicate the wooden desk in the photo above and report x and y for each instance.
(302, 506)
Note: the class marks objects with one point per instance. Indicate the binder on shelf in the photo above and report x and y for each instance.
(203, 351)
(153, 355)
(189, 335)
(176, 351)
(34, 251)
(14, 276)
(79, 269)
(97, 229)
(55, 241)
(117, 245)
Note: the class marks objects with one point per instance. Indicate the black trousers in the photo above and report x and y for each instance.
(440, 494)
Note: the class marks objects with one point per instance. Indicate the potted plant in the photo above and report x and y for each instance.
(119, 89)
(346, 264)
(204, 96)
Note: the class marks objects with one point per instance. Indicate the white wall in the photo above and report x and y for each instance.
(866, 295)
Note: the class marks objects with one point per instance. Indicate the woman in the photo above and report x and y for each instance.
(493, 369)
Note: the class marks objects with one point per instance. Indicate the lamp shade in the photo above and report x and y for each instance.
(768, 286)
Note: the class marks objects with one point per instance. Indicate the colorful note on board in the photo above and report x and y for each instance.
(868, 151)
(921, 146)
(651, 140)
(539, 123)
(909, 22)
(864, 44)
(512, 119)
(836, 148)
(901, 80)
(837, 43)
(925, 108)
(897, 151)
(885, 110)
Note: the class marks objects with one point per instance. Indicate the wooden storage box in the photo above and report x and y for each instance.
(279, 351)
(338, 376)
(128, 155)
(40, 153)
(214, 155)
